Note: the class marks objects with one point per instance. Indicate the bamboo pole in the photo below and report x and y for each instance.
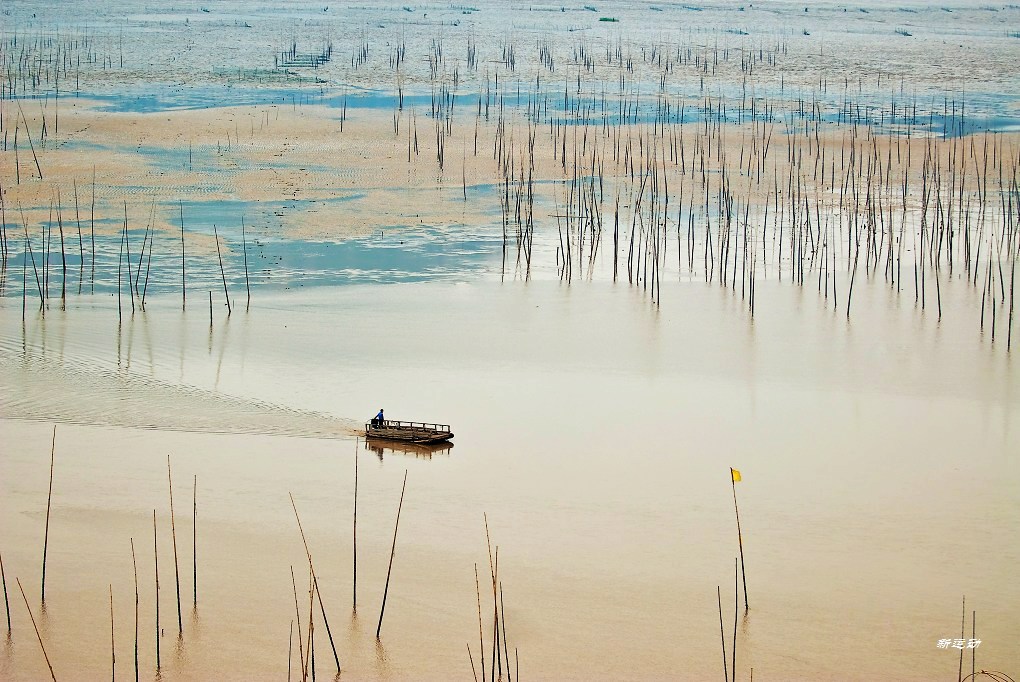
(155, 553)
(38, 636)
(134, 565)
(306, 663)
(722, 635)
(734, 477)
(736, 601)
(244, 250)
(481, 642)
(497, 650)
(92, 227)
(173, 533)
(963, 625)
(474, 673)
(30, 145)
(297, 610)
(223, 275)
(315, 583)
(120, 258)
(290, 650)
(63, 257)
(973, 636)
(7, 605)
(502, 618)
(49, 497)
(184, 287)
(113, 648)
(393, 550)
(194, 542)
(35, 268)
(81, 241)
(127, 260)
(493, 571)
(355, 541)
(24, 280)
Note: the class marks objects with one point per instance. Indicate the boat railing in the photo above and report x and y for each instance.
(417, 426)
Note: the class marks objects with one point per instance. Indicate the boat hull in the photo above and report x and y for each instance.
(418, 436)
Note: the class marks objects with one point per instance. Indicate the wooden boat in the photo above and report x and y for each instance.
(421, 433)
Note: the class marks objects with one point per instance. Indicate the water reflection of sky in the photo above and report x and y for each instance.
(946, 113)
(399, 254)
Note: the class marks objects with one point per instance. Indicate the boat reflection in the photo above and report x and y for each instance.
(381, 448)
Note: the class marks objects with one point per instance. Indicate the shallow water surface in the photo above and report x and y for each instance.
(878, 485)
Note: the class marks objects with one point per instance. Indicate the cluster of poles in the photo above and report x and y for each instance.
(822, 187)
(35, 63)
(305, 634)
(735, 182)
(496, 658)
(49, 272)
(158, 629)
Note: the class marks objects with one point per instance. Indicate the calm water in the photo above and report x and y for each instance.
(879, 485)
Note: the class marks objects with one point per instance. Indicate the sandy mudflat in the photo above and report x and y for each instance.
(293, 173)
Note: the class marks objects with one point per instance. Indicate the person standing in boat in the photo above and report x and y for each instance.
(378, 420)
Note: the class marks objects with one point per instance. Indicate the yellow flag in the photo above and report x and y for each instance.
(735, 475)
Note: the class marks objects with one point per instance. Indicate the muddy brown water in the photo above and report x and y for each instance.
(596, 433)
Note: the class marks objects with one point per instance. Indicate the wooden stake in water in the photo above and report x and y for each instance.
(393, 551)
(194, 541)
(297, 610)
(49, 497)
(315, 584)
(963, 625)
(734, 477)
(173, 533)
(973, 636)
(736, 601)
(155, 552)
(244, 250)
(134, 565)
(223, 274)
(184, 288)
(481, 641)
(92, 272)
(113, 648)
(355, 597)
(38, 636)
(290, 650)
(7, 606)
(722, 634)
(471, 658)
(502, 617)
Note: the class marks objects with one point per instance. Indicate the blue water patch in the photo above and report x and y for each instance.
(989, 111)
(151, 98)
(390, 255)
(397, 254)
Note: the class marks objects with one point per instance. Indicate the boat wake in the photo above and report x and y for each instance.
(40, 389)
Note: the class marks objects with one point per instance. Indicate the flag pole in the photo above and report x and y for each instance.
(734, 476)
